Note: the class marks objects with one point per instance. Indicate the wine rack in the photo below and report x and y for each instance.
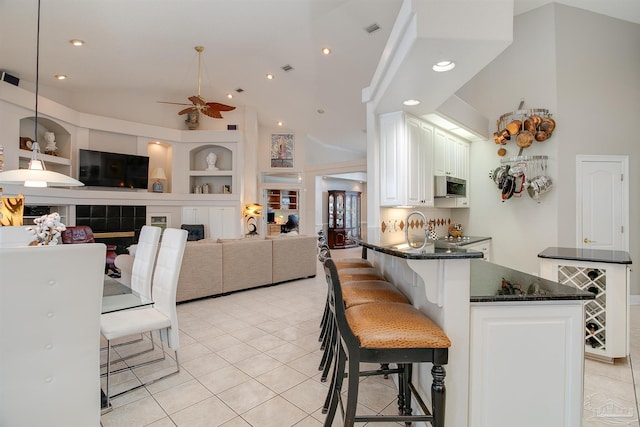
(595, 281)
(606, 321)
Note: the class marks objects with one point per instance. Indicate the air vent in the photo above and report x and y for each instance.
(239, 90)
(372, 28)
(287, 67)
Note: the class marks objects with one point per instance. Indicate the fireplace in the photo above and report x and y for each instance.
(113, 225)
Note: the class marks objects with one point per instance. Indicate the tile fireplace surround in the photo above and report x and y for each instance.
(115, 225)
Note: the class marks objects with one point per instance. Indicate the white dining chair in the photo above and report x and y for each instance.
(144, 260)
(162, 316)
(15, 236)
(50, 304)
(142, 274)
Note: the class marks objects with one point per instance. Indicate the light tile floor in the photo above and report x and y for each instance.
(251, 359)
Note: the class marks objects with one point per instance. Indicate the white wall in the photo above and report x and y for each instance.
(585, 69)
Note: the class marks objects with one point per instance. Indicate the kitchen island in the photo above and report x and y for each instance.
(517, 340)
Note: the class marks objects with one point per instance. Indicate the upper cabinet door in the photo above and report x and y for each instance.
(393, 159)
(439, 153)
(415, 156)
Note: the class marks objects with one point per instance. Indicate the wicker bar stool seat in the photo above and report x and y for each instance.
(384, 332)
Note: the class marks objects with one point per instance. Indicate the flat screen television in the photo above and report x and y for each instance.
(103, 169)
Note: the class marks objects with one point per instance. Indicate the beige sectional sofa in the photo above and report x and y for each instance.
(218, 267)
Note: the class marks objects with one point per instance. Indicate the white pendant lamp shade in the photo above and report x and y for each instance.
(36, 174)
(37, 178)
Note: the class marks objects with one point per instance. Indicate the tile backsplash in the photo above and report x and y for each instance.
(393, 222)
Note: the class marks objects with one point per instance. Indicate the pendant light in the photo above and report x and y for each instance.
(36, 174)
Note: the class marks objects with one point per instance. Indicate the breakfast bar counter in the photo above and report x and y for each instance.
(517, 354)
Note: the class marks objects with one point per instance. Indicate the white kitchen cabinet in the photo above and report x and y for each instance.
(606, 322)
(484, 247)
(450, 155)
(406, 161)
(537, 344)
(439, 152)
(219, 222)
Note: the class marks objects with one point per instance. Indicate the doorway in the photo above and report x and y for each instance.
(602, 191)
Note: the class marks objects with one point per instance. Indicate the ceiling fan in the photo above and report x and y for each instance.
(198, 103)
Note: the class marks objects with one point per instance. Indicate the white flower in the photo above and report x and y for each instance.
(47, 229)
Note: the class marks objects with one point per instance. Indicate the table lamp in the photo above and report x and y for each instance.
(251, 212)
(158, 174)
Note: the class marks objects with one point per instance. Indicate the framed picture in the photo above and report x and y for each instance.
(161, 220)
(282, 150)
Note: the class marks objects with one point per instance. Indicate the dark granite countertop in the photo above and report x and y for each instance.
(592, 255)
(430, 251)
(461, 241)
(495, 283)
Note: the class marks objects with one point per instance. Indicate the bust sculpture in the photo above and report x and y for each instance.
(211, 162)
(50, 137)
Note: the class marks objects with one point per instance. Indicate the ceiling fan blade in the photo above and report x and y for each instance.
(220, 107)
(212, 113)
(197, 100)
(174, 103)
(187, 110)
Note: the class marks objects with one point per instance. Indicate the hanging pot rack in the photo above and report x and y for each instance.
(525, 125)
(521, 114)
(519, 159)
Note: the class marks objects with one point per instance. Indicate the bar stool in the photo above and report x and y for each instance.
(362, 286)
(384, 332)
(355, 269)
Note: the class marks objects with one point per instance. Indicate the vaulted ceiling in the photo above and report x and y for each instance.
(139, 52)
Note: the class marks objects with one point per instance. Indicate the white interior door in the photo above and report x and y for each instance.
(603, 194)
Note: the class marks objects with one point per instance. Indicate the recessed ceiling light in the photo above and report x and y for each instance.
(76, 42)
(60, 76)
(269, 76)
(326, 51)
(443, 66)
(411, 102)
(229, 96)
(280, 123)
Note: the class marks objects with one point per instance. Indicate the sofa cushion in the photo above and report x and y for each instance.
(246, 263)
(294, 257)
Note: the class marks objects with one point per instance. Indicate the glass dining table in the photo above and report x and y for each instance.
(117, 297)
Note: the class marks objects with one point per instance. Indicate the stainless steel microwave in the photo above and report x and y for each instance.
(448, 186)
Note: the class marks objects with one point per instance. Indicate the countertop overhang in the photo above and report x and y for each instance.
(592, 255)
(495, 283)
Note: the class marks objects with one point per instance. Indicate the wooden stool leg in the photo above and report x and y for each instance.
(334, 390)
(438, 394)
(353, 382)
(327, 356)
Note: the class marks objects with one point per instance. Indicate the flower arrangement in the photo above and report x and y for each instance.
(47, 229)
